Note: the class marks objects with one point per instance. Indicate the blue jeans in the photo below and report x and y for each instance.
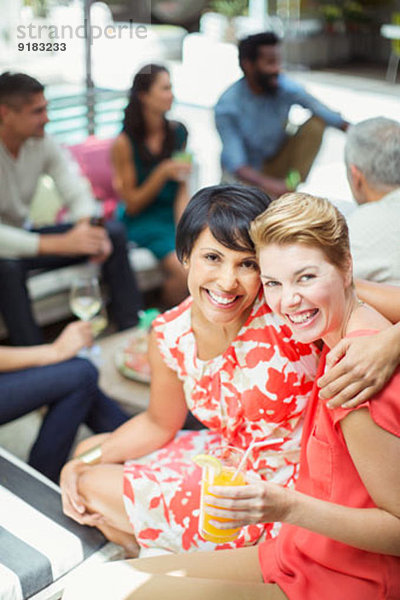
(69, 390)
(15, 304)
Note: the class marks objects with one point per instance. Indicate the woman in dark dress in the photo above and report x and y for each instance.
(150, 174)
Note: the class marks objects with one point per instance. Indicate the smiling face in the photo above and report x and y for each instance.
(306, 290)
(159, 97)
(223, 283)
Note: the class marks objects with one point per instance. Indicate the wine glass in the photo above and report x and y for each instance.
(85, 302)
(99, 322)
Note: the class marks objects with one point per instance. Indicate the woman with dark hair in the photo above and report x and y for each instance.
(149, 180)
(220, 354)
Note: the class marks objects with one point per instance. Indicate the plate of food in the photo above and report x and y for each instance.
(131, 359)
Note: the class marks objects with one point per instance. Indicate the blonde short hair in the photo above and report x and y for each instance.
(298, 218)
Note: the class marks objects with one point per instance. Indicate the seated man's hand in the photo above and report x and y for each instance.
(274, 187)
(105, 251)
(86, 239)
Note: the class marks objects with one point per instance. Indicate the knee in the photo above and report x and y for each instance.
(98, 491)
(315, 127)
(87, 484)
(84, 372)
(117, 233)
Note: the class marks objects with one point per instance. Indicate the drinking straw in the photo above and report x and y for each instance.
(267, 442)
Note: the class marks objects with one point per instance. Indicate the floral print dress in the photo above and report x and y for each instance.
(256, 389)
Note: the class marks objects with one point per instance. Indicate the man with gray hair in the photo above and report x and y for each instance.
(372, 156)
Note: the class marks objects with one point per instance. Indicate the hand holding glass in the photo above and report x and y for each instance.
(224, 467)
(85, 298)
(185, 157)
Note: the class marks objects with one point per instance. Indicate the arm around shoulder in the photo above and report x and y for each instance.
(385, 298)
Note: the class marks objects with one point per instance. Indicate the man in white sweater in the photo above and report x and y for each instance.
(372, 156)
(26, 152)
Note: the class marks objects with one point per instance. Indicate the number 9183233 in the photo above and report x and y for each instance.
(42, 46)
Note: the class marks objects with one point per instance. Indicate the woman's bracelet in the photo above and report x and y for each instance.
(91, 456)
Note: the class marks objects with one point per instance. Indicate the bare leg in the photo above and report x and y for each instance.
(101, 487)
(233, 574)
(175, 286)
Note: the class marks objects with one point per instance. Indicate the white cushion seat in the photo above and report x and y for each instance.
(39, 545)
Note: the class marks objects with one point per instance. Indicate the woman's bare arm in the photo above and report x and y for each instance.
(137, 197)
(156, 426)
(181, 200)
(139, 436)
(72, 339)
(383, 297)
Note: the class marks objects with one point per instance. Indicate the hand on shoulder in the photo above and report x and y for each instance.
(359, 367)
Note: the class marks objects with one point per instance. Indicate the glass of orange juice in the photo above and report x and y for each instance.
(219, 468)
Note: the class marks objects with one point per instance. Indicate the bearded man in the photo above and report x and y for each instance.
(259, 145)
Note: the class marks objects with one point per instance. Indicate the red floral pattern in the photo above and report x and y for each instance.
(257, 389)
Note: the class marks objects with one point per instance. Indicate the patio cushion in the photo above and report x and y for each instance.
(38, 543)
(93, 157)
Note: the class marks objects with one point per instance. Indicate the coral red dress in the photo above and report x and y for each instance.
(257, 389)
(307, 565)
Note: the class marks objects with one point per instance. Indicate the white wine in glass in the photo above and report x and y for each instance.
(85, 298)
(99, 323)
(86, 302)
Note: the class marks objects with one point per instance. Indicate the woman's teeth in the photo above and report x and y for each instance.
(221, 299)
(303, 317)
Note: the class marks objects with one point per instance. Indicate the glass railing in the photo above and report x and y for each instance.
(76, 113)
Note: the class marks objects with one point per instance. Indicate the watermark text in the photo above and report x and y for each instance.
(32, 31)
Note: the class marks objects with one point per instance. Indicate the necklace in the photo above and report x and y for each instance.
(354, 305)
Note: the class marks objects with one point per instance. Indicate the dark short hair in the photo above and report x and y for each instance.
(248, 47)
(18, 87)
(227, 210)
